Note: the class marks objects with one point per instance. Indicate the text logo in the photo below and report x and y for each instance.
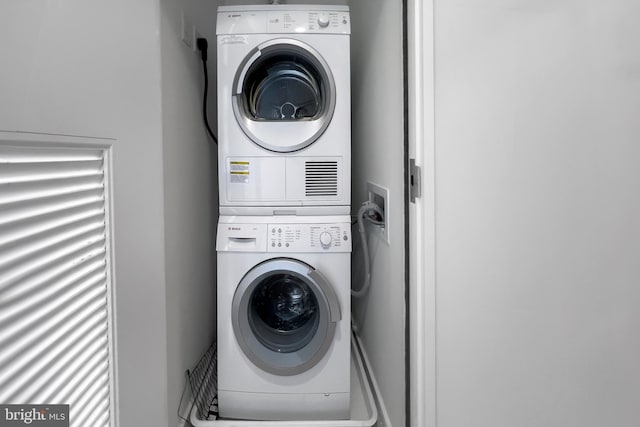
(34, 415)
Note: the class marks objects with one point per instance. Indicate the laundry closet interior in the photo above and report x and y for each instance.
(376, 165)
(104, 101)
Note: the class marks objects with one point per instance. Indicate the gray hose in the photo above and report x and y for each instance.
(364, 213)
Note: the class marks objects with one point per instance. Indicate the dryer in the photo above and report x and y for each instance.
(283, 316)
(284, 109)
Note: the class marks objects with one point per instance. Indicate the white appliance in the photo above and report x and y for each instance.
(284, 309)
(284, 110)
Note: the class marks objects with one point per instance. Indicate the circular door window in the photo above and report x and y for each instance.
(284, 316)
(284, 95)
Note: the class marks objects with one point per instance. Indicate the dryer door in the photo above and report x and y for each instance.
(284, 316)
(284, 95)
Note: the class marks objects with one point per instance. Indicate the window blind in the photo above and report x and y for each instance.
(55, 305)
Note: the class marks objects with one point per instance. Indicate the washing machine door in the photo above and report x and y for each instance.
(284, 95)
(284, 316)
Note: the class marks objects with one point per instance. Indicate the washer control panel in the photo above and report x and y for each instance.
(283, 19)
(309, 238)
(303, 21)
(273, 236)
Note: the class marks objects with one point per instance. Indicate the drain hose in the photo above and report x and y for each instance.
(369, 211)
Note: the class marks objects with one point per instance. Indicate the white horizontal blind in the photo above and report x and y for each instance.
(55, 345)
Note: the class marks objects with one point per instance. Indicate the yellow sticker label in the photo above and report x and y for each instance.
(239, 172)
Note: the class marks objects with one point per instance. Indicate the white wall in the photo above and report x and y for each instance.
(190, 203)
(537, 213)
(378, 156)
(92, 68)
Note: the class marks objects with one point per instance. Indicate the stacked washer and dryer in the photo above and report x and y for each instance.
(284, 233)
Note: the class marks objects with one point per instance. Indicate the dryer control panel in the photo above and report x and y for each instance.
(284, 237)
(283, 19)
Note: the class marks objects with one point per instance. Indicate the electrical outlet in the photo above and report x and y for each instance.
(188, 32)
(380, 196)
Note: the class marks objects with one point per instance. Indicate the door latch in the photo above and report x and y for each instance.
(415, 180)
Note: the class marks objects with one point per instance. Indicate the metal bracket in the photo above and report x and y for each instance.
(415, 180)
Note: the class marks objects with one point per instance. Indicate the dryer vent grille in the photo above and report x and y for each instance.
(321, 179)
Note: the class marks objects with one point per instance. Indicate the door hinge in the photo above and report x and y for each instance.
(415, 180)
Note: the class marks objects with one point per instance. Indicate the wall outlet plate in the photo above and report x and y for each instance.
(188, 32)
(380, 195)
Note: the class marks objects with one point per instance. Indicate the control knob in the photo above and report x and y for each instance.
(323, 20)
(325, 239)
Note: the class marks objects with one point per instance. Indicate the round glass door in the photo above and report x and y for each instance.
(284, 316)
(284, 95)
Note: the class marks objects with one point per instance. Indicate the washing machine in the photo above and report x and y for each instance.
(283, 317)
(284, 109)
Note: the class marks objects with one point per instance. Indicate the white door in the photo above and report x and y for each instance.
(525, 263)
